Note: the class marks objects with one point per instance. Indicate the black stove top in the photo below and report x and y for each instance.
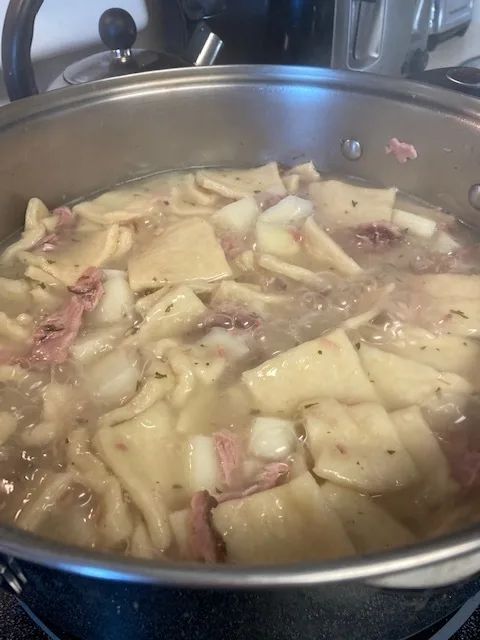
(15, 623)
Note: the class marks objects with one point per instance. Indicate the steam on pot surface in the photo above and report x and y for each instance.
(243, 366)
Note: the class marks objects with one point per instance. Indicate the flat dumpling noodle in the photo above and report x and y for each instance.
(249, 366)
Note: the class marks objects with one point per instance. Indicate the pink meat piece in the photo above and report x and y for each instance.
(402, 151)
(265, 200)
(271, 475)
(89, 288)
(8, 356)
(466, 469)
(232, 244)
(65, 220)
(229, 454)
(378, 235)
(48, 242)
(206, 543)
(56, 333)
(463, 456)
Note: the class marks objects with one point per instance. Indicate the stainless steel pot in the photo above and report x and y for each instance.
(69, 143)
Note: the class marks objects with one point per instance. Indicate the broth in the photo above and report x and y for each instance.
(245, 366)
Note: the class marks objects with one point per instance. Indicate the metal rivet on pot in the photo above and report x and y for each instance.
(351, 149)
(474, 196)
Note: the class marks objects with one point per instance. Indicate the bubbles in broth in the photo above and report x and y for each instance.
(243, 366)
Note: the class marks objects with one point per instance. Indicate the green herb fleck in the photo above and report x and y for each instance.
(460, 313)
(357, 345)
(391, 452)
(159, 375)
(169, 308)
(320, 352)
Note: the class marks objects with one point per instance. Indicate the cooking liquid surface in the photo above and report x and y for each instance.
(257, 366)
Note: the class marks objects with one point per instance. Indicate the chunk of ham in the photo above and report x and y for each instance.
(265, 200)
(273, 474)
(466, 469)
(402, 151)
(229, 455)
(232, 244)
(378, 235)
(205, 542)
(464, 458)
(56, 333)
(48, 242)
(65, 220)
(88, 288)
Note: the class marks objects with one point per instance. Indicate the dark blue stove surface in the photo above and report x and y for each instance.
(15, 624)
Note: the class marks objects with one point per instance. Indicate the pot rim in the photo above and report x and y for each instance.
(19, 544)
(151, 82)
(22, 545)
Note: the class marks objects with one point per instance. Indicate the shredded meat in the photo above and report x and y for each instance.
(229, 455)
(48, 242)
(273, 474)
(402, 151)
(378, 235)
(89, 288)
(265, 200)
(56, 333)
(466, 470)
(232, 244)
(206, 543)
(464, 459)
(54, 336)
(65, 220)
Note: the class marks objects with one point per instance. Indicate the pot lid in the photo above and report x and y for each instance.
(118, 32)
(110, 64)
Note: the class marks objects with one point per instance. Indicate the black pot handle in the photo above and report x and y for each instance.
(16, 48)
(461, 79)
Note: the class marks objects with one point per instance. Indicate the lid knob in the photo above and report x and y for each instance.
(117, 29)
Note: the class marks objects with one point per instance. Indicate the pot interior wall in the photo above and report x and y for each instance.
(74, 142)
